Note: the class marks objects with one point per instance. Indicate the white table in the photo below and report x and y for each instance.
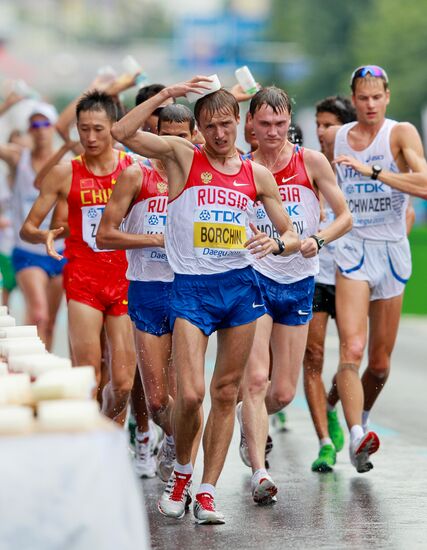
(70, 492)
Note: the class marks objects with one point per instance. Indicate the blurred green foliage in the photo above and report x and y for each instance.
(336, 36)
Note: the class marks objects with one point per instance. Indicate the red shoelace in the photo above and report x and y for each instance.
(181, 481)
(206, 501)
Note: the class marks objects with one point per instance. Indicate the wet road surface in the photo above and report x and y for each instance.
(385, 508)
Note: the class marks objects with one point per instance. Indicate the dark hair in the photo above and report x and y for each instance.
(273, 97)
(176, 113)
(295, 134)
(146, 92)
(220, 101)
(95, 100)
(339, 106)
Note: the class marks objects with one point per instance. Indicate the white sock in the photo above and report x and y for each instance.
(325, 441)
(356, 432)
(206, 488)
(329, 407)
(184, 468)
(259, 474)
(170, 440)
(140, 436)
(365, 417)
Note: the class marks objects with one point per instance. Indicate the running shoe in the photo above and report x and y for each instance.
(156, 436)
(165, 460)
(335, 430)
(243, 447)
(264, 490)
(204, 510)
(279, 421)
(361, 449)
(326, 459)
(176, 497)
(145, 465)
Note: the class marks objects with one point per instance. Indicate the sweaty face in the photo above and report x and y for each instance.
(323, 122)
(178, 129)
(370, 100)
(219, 131)
(271, 129)
(41, 130)
(94, 130)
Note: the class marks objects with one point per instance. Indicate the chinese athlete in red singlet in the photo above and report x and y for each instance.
(95, 282)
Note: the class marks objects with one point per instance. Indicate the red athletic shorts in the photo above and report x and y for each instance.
(100, 286)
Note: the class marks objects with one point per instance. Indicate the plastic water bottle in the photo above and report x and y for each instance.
(21, 88)
(131, 66)
(246, 80)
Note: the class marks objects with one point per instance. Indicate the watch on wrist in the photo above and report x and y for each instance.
(281, 246)
(376, 169)
(319, 241)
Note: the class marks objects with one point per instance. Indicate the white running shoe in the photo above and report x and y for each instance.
(361, 449)
(166, 458)
(243, 446)
(204, 510)
(145, 465)
(264, 490)
(176, 497)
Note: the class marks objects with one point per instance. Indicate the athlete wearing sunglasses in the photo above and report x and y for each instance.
(377, 161)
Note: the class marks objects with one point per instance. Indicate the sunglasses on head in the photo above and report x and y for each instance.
(40, 124)
(371, 70)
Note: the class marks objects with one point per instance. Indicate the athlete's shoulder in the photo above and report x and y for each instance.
(133, 172)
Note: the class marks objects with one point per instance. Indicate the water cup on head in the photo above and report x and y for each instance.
(246, 80)
(214, 86)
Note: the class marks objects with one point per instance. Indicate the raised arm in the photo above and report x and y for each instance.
(55, 187)
(53, 161)
(109, 235)
(260, 244)
(323, 177)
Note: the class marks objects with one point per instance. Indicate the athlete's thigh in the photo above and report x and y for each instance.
(288, 346)
(258, 364)
(122, 344)
(188, 356)
(234, 347)
(154, 361)
(384, 317)
(352, 307)
(317, 330)
(84, 325)
(33, 282)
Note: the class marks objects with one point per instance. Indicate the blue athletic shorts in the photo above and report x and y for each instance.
(149, 306)
(219, 301)
(288, 304)
(22, 259)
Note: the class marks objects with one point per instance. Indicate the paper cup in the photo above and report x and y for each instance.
(214, 86)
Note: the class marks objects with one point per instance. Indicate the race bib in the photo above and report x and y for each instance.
(219, 231)
(91, 217)
(370, 202)
(296, 213)
(154, 224)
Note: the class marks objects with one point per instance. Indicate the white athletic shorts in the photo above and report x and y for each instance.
(385, 265)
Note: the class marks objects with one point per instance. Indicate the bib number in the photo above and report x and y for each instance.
(91, 218)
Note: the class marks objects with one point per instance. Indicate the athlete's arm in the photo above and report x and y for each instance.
(9, 102)
(410, 148)
(322, 175)
(53, 161)
(260, 244)
(55, 187)
(125, 191)
(10, 153)
(126, 130)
